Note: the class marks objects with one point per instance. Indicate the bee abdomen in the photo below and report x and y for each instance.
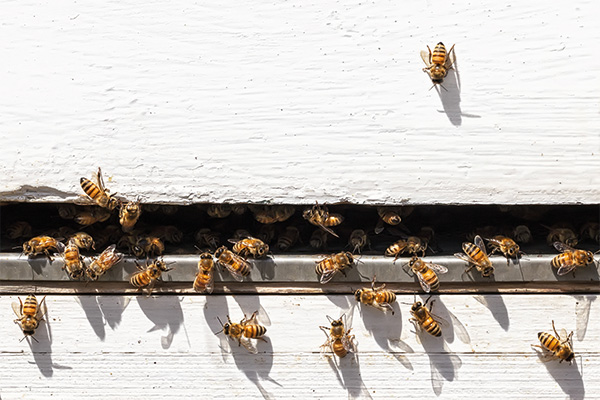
(386, 297)
(339, 349)
(90, 188)
(439, 54)
(30, 305)
(140, 279)
(432, 279)
(548, 341)
(433, 328)
(254, 331)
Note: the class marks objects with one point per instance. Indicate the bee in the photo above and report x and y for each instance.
(250, 247)
(147, 276)
(237, 266)
(266, 233)
(522, 234)
(476, 256)
(218, 210)
(438, 62)
(358, 240)
(389, 215)
(168, 233)
(42, 244)
(129, 214)
(288, 238)
(424, 319)
(560, 234)
(238, 209)
(241, 234)
(283, 213)
(108, 234)
(101, 264)
(339, 339)
(73, 261)
(484, 231)
(272, 214)
(205, 276)
(29, 314)
(559, 346)
(320, 216)
(91, 215)
(329, 266)
(207, 237)
(427, 272)
(98, 193)
(169, 209)
(18, 230)
(247, 329)
(411, 245)
(318, 239)
(590, 230)
(148, 246)
(83, 240)
(67, 211)
(570, 258)
(508, 247)
(376, 297)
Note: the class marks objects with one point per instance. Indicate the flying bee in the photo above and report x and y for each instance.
(522, 234)
(329, 266)
(424, 319)
(426, 273)
(508, 247)
(376, 297)
(29, 314)
(320, 216)
(98, 193)
(42, 244)
(247, 329)
(288, 238)
(73, 261)
(83, 240)
(237, 266)
(204, 282)
(561, 234)
(438, 62)
(18, 230)
(250, 247)
(411, 245)
(590, 230)
(476, 256)
(129, 214)
(318, 239)
(358, 240)
(559, 346)
(148, 246)
(147, 276)
(570, 258)
(101, 264)
(91, 215)
(206, 237)
(218, 210)
(339, 340)
(168, 233)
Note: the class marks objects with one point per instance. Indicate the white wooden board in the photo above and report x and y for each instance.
(116, 347)
(294, 101)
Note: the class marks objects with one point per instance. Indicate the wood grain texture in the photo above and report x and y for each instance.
(291, 102)
(166, 345)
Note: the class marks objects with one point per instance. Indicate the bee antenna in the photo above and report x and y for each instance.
(216, 333)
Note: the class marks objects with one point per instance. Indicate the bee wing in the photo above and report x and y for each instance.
(464, 257)
(440, 269)
(440, 320)
(326, 229)
(450, 58)
(100, 180)
(385, 307)
(262, 317)
(327, 276)
(544, 355)
(210, 285)
(233, 240)
(423, 283)
(479, 243)
(17, 309)
(348, 342)
(42, 309)
(425, 56)
(234, 273)
(247, 343)
(582, 314)
(565, 269)
(560, 246)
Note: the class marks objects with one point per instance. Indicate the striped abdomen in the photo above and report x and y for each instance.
(385, 296)
(30, 306)
(203, 282)
(563, 260)
(396, 248)
(338, 348)
(326, 264)
(73, 263)
(141, 279)
(254, 331)
(92, 190)
(549, 341)
(476, 254)
(431, 278)
(427, 322)
(439, 54)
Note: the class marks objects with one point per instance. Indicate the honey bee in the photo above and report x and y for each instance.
(73, 261)
(320, 216)
(206, 237)
(358, 240)
(266, 233)
(570, 258)
(339, 340)
(250, 247)
(288, 238)
(411, 245)
(83, 240)
(101, 264)
(438, 63)
(329, 266)
(424, 319)
(91, 215)
(129, 214)
(148, 246)
(108, 234)
(508, 247)
(238, 209)
(218, 210)
(204, 282)
(237, 266)
(42, 244)
(29, 314)
(318, 239)
(18, 230)
(561, 234)
(67, 211)
(389, 215)
(559, 346)
(522, 234)
(241, 234)
(484, 231)
(376, 297)
(476, 256)
(590, 230)
(168, 233)
(247, 329)
(272, 214)
(427, 272)
(98, 193)
(147, 276)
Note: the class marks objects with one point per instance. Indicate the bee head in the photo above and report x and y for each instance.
(358, 294)
(349, 256)
(160, 265)
(589, 257)
(220, 251)
(206, 256)
(27, 248)
(337, 322)
(416, 306)
(226, 328)
(307, 213)
(77, 274)
(513, 251)
(112, 203)
(488, 271)
(262, 250)
(92, 275)
(570, 357)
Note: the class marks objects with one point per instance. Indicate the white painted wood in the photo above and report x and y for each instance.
(292, 101)
(164, 346)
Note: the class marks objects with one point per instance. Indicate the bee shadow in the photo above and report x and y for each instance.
(42, 349)
(443, 363)
(495, 304)
(451, 326)
(266, 267)
(256, 367)
(166, 314)
(583, 305)
(94, 315)
(348, 373)
(216, 306)
(112, 308)
(568, 377)
(451, 97)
